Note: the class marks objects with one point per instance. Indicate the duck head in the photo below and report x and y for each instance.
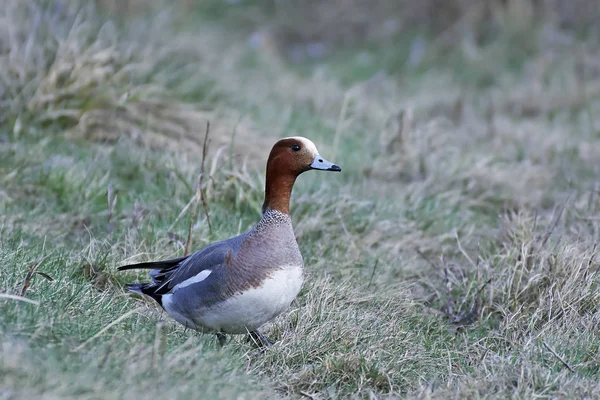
(289, 158)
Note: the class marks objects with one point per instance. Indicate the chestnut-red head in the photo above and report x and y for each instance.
(289, 158)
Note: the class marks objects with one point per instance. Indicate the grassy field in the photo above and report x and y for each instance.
(454, 256)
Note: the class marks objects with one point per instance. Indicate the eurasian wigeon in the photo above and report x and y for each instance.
(237, 285)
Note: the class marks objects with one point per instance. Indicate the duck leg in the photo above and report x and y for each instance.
(259, 339)
(222, 338)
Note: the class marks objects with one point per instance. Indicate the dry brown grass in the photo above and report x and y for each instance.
(73, 71)
(457, 247)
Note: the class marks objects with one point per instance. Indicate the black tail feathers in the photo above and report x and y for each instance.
(136, 287)
(145, 288)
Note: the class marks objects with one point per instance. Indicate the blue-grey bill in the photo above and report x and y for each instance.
(324, 165)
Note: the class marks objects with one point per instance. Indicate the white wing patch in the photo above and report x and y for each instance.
(307, 143)
(242, 312)
(199, 277)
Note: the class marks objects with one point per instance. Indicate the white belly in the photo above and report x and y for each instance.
(249, 310)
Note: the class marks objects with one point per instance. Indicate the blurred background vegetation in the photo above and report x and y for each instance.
(454, 257)
(313, 29)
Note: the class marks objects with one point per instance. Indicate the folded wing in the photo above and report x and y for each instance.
(167, 274)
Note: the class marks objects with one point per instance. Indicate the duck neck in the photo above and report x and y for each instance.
(278, 191)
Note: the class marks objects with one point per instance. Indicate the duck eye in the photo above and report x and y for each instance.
(295, 147)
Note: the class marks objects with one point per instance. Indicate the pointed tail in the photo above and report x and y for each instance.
(135, 287)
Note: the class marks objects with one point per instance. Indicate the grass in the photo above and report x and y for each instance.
(454, 256)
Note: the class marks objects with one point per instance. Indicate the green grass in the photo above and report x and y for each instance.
(455, 249)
